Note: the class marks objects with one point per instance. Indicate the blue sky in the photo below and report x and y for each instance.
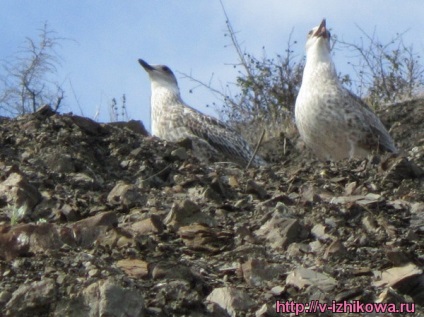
(187, 35)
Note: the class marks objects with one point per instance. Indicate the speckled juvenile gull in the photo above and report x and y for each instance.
(332, 121)
(173, 120)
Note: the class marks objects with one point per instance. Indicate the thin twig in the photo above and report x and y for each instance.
(158, 173)
(256, 150)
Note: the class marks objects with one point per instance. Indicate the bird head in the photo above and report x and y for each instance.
(160, 75)
(319, 37)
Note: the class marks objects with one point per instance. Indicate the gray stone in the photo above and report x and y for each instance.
(107, 298)
(230, 299)
(280, 231)
(34, 298)
(303, 277)
(20, 195)
(127, 195)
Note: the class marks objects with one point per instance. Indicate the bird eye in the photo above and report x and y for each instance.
(310, 32)
(166, 69)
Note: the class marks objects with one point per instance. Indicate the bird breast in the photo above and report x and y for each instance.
(166, 116)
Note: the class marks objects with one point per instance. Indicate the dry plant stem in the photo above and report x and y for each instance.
(158, 173)
(256, 149)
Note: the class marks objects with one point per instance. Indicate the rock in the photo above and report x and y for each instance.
(107, 298)
(87, 231)
(32, 298)
(370, 224)
(277, 290)
(72, 307)
(85, 237)
(280, 231)
(200, 237)
(266, 311)
(256, 272)
(180, 153)
(83, 181)
(233, 181)
(417, 217)
(232, 300)
(150, 225)
(303, 277)
(350, 294)
(399, 167)
(185, 213)
(350, 188)
(176, 231)
(318, 231)
(210, 194)
(219, 186)
(126, 195)
(25, 239)
(397, 256)
(44, 111)
(297, 249)
(407, 279)
(115, 238)
(310, 195)
(336, 248)
(4, 297)
(69, 212)
(254, 188)
(59, 162)
(135, 126)
(134, 268)
(363, 200)
(107, 219)
(89, 126)
(389, 295)
(20, 194)
(182, 294)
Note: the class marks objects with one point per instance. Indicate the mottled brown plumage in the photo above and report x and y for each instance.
(173, 120)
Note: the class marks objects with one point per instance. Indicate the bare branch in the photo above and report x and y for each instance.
(27, 79)
(387, 73)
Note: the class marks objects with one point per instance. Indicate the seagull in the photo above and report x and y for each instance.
(332, 121)
(173, 120)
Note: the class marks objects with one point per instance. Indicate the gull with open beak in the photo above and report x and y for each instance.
(331, 120)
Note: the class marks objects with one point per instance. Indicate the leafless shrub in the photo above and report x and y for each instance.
(385, 73)
(28, 80)
(266, 90)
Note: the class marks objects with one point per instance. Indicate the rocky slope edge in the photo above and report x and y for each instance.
(103, 220)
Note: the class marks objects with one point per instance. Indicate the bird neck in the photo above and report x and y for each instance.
(319, 66)
(163, 87)
(162, 100)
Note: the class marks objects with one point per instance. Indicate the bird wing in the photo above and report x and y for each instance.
(218, 135)
(376, 135)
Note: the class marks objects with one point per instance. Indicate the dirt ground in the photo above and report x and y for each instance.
(103, 220)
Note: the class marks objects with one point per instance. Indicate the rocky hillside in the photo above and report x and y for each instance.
(103, 220)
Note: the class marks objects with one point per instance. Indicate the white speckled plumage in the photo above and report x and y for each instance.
(173, 120)
(331, 120)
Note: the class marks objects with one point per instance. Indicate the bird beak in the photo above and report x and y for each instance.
(146, 66)
(322, 30)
